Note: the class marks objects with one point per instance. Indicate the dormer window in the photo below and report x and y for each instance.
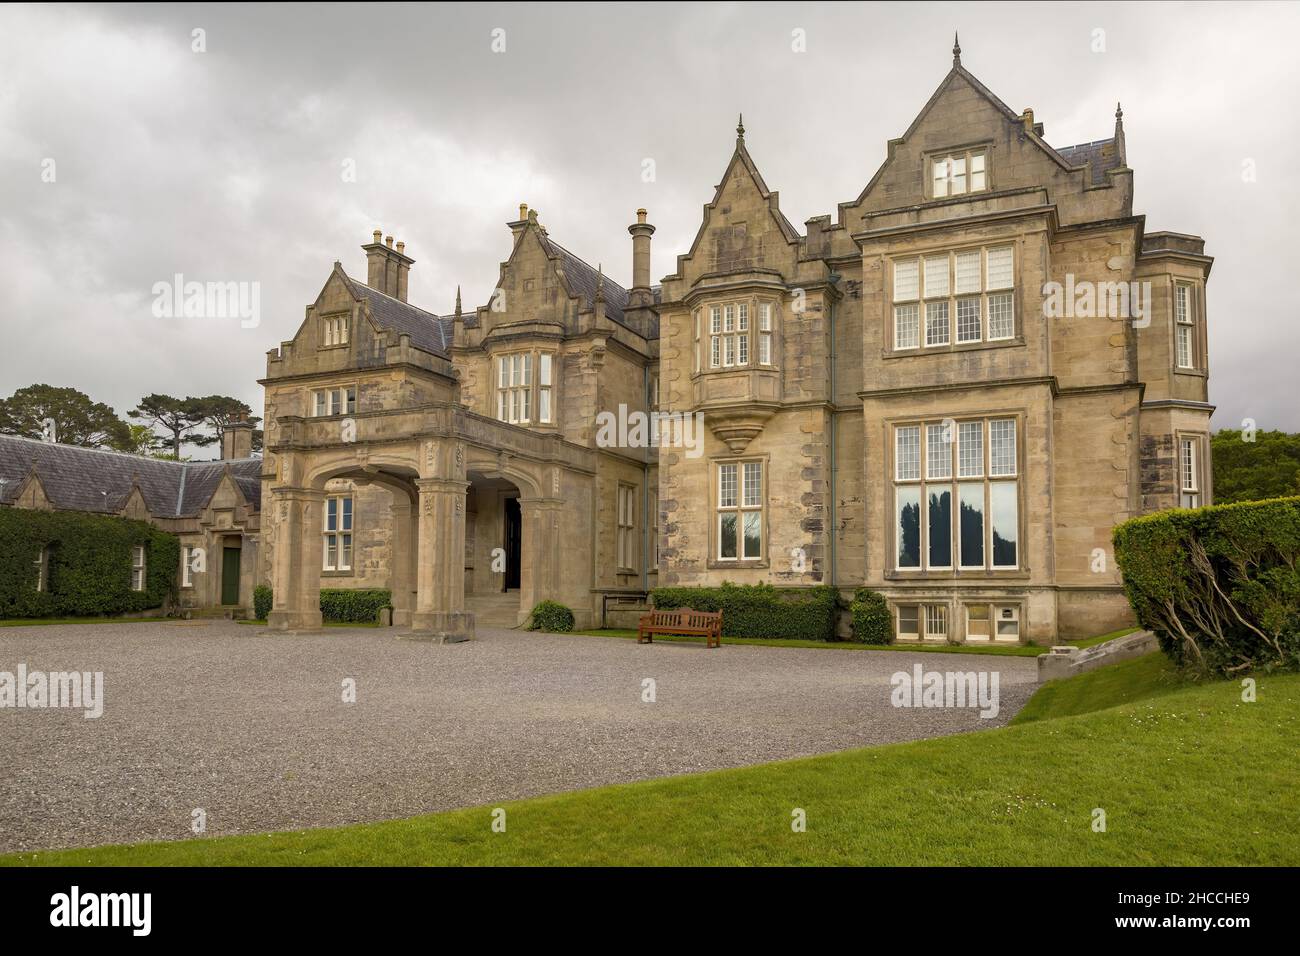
(334, 330)
(958, 173)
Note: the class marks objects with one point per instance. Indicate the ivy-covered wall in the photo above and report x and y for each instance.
(89, 564)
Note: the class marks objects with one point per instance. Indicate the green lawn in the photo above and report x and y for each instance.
(1102, 638)
(1143, 678)
(1187, 776)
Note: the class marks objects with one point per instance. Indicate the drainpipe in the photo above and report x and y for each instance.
(834, 464)
(645, 492)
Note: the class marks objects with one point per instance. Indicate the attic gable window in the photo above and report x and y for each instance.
(334, 330)
(958, 173)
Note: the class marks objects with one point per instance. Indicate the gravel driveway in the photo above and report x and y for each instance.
(251, 727)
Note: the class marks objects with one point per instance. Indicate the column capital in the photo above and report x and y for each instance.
(291, 493)
(433, 485)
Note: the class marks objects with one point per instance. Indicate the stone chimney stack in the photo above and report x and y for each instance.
(641, 232)
(237, 440)
(387, 268)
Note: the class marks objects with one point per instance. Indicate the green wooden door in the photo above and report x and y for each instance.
(230, 576)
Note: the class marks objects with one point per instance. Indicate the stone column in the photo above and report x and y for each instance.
(440, 613)
(295, 570)
(404, 553)
(541, 551)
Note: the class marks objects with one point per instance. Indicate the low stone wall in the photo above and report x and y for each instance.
(1068, 660)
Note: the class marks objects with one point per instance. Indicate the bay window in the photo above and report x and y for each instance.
(522, 397)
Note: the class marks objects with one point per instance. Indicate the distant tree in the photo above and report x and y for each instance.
(142, 440)
(219, 411)
(77, 419)
(178, 418)
(1268, 467)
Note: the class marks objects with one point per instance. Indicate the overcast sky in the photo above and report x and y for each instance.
(229, 164)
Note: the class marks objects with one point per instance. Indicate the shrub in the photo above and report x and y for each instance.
(551, 616)
(261, 602)
(761, 610)
(1219, 586)
(342, 605)
(872, 622)
(89, 564)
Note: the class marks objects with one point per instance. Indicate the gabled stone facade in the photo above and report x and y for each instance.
(950, 391)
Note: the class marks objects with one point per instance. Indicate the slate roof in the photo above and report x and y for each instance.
(1102, 153)
(583, 278)
(92, 479)
(429, 332)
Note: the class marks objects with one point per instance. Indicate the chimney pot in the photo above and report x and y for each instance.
(640, 215)
(388, 241)
(401, 246)
(523, 210)
(378, 235)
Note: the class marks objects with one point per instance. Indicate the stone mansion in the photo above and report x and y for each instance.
(950, 391)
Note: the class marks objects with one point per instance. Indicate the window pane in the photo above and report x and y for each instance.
(968, 320)
(1001, 320)
(728, 318)
(544, 405)
(936, 323)
(544, 369)
(713, 355)
(940, 530)
(715, 320)
(936, 276)
(1002, 447)
(907, 326)
(940, 178)
(742, 317)
(906, 280)
(970, 450)
(765, 348)
(528, 368)
(907, 452)
(970, 524)
(765, 317)
(1006, 528)
(726, 486)
(1180, 303)
(938, 451)
(908, 527)
(1188, 454)
(346, 554)
(936, 621)
(331, 514)
(1184, 346)
(753, 484)
(907, 622)
(727, 535)
(347, 514)
(753, 534)
(742, 352)
(968, 272)
(728, 350)
(1000, 272)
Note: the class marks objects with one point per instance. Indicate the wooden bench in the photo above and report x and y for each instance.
(682, 620)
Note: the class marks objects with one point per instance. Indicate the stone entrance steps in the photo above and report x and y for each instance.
(494, 609)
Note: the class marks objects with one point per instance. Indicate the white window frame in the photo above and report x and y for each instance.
(746, 505)
(341, 539)
(626, 538)
(139, 567)
(949, 162)
(1189, 471)
(187, 571)
(1184, 325)
(918, 473)
(336, 329)
(339, 400)
(927, 298)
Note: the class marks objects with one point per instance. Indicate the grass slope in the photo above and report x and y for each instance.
(1192, 777)
(1143, 678)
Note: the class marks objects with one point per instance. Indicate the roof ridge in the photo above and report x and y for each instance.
(102, 451)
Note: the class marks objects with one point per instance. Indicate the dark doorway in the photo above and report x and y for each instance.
(230, 576)
(514, 527)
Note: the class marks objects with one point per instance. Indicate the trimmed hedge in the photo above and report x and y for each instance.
(1219, 586)
(89, 564)
(551, 616)
(761, 610)
(872, 621)
(343, 605)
